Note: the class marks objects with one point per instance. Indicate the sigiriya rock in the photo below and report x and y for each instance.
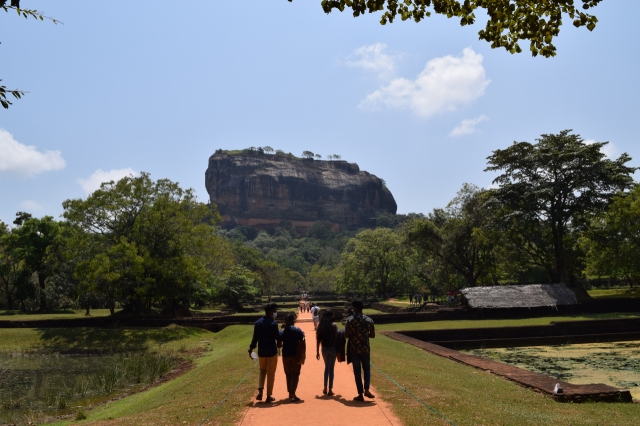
(253, 188)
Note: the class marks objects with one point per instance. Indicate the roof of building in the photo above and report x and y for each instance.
(519, 296)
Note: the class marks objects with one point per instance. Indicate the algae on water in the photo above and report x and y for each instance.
(616, 364)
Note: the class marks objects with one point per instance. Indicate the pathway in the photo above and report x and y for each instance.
(318, 408)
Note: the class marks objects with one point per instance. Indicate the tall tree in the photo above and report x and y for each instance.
(510, 21)
(271, 274)
(30, 241)
(612, 240)
(157, 222)
(559, 181)
(460, 238)
(373, 261)
(13, 273)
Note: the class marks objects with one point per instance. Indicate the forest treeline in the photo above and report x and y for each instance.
(559, 211)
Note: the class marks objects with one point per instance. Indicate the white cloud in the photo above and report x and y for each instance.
(468, 126)
(30, 205)
(609, 150)
(372, 58)
(94, 181)
(444, 85)
(26, 160)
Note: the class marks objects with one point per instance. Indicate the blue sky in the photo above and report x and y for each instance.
(157, 87)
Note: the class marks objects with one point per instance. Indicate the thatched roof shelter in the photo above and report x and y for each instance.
(519, 296)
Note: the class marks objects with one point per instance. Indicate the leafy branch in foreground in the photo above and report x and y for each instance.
(510, 21)
(26, 13)
(3, 95)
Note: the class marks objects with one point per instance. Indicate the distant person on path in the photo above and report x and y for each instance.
(267, 337)
(290, 337)
(359, 329)
(315, 314)
(326, 335)
(410, 299)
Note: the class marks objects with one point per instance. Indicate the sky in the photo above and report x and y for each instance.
(158, 87)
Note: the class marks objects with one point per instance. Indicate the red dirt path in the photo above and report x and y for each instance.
(317, 408)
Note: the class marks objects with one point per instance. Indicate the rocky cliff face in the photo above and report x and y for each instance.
(262, 189)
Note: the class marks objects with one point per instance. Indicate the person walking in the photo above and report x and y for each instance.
(359, 328)
(291, 338)
(326, 335)
(267, 337)
(315, 314)
(410, 299)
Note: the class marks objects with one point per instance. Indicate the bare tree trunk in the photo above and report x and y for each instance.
(43, 299)
(558, 249)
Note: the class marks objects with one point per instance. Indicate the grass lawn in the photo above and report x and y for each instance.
(463, 394)
(206, 310)
(189, 398)
(435, 325)
(467, 396)
(397, 303)
(15, 315)
(605, 293)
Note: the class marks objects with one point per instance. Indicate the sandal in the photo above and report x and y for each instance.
(269, 399)
(295, 399)
(330, 393)
(259, 396)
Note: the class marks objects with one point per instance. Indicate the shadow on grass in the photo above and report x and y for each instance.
(16, 312)
(106, 340)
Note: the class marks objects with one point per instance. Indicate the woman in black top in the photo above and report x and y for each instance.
(326, 334)
(290, 337)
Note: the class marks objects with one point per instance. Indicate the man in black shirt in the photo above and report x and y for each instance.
(267, 337)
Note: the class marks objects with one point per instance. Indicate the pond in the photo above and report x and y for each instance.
(616, 364)
(33, 387)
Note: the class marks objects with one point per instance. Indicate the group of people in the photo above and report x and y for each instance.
(330, 342)
(305, 306)
(417, 299)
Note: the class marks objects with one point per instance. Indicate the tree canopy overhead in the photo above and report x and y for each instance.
(510, 21)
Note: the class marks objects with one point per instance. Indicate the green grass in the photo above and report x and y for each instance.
(192, 396)
(15, 315)
(467, 396)
(435, 325)
(369, 311)
(207, 310)
(52, 340)
(605, 293)
(397, 304)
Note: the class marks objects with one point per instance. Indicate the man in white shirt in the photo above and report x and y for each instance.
(315, 314)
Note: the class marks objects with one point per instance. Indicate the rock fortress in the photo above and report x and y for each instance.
(253, 188)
